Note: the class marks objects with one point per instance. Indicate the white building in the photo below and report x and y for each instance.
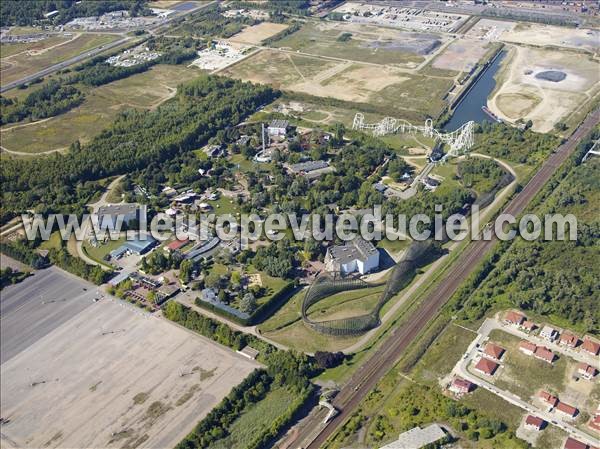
(549, 333)
(278, 127)
(356, 255)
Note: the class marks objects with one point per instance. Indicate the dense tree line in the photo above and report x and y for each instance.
(8, 276)
(135, 140)
(75, 265)
(52, 99)
(557, 279)
(31, 12)
(480, 174)
(506, 142)
(24, 252)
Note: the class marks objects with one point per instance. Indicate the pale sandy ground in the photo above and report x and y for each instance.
(523, 96)
(90, 381)
(258, 33)
(461, 55)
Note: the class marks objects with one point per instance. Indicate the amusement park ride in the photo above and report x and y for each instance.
(459, 141)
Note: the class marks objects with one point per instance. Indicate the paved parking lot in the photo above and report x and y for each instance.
(37, 306)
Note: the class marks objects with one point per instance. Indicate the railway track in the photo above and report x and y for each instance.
(367, 376)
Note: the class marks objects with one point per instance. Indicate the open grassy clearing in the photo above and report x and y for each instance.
(524, 375)
(346, 304)
(365, 44)
(22, 65)
(257, 418)
(258, 33)
(98, 252)
(442, 354)
(102, 104)
(7, 50)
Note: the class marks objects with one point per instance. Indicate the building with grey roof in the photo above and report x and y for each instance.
(278, 127)
(418, 437)
(356, 255)
(112, 213)
(307, 167)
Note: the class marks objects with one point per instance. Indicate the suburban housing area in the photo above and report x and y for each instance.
(228, 329)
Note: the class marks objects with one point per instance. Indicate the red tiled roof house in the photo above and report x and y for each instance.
(543, 353)
(487, 367)
(527, 348)
(567, 409)
(568, 339)
(590, 346)
(515, 318)
(494, 351)
(552, 401)
(461, 386)
(535, 423)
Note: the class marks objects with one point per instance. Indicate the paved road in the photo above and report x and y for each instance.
(64, 64)
(314, 433)
(473, 355)
(95, 51)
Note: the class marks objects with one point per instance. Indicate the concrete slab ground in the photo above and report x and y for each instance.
(104, 374)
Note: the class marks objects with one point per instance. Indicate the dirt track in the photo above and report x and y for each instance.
(399, 339)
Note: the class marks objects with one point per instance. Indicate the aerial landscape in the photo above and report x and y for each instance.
(300, 224)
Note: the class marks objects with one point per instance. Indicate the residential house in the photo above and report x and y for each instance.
(586, 371)
(572, 443)
(534, 423)
(569, 340)
(514, 318)
(528, 326)
(487, 367)
(461, 386)
(567, 409)
(549, 399)
(590, 346)
(494, 351)
(527, 348)
(549, 333)
(543, 353)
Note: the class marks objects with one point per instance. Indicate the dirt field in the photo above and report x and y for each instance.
(258, 33)
(144, 90)
(391, 88)
(523, 95)
(461, 55)
(19, 65)
(546, 35)
(7, 50)
(111, 377)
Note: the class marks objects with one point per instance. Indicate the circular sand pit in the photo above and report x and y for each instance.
(556, 76)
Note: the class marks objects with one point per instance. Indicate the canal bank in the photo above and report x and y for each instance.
(468, 105)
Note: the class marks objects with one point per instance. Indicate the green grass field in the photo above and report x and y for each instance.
(7, 50)
(442, 354)
(102, 104)
(255, 419)
(525, 375)
(22, 65)
(98, 253)
(323, 40)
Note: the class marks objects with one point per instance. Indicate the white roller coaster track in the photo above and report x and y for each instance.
(459, 141)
